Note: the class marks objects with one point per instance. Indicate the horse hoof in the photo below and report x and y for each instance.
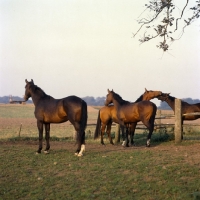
(76, 154)
(46, 152)
(123, 143)
(80, 154)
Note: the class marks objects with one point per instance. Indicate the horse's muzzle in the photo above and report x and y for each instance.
(25, 98)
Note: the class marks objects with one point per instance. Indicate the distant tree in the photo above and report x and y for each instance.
(99, 101)
(173, 18)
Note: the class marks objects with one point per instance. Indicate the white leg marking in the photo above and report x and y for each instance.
(148, 142)
(123, 143)
(82, 149)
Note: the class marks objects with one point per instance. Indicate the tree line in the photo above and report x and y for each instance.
(99, 101)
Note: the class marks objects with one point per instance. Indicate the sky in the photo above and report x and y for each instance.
(84, 47)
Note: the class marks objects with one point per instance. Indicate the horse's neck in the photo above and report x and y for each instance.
(37, 96)
(35, 99)
(116, 104)
(171, 102)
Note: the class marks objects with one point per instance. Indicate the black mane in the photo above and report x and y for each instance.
(39, 91)
(139, 99)
(119, 99)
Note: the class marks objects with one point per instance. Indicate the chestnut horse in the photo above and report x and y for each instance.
(186, 107)
(49, 110)
(128, 113)
(108, 114)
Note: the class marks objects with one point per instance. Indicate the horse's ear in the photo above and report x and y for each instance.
(146, 90)
(32, 81)
(110, 91)
(26, 81)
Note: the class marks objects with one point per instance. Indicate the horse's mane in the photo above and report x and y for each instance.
(39, 91)
(173, 99)
(139, 99)
(119, 99)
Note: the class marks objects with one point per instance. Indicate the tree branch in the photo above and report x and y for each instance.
(181, 15)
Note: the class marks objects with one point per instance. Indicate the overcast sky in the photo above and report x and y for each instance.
(84, 47)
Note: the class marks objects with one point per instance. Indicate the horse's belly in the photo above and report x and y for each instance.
(191, 117)
(55, 119)
(132, 117)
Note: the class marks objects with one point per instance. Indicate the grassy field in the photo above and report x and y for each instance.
(163, 171)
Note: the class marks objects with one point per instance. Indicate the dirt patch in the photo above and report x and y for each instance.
(189, 152)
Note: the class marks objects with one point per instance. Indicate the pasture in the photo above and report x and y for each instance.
(163, 171)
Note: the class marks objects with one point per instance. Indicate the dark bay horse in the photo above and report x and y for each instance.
(186, 107)
(49, 110)
(128, 113)
(108, 114)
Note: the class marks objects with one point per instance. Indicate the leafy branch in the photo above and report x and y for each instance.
(164, 28)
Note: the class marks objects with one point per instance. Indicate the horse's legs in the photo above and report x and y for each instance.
(182, 129)
(40, 129)
(108, 130)
(127, 140)
(150, 125)
(47, 136)
(125, 135)
(132, 131)
(103, 127)
(80, 140)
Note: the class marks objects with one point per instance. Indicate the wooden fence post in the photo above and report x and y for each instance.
(159, 119)
(117, 134)
(178, 124)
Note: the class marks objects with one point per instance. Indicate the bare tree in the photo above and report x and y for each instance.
(165, 11)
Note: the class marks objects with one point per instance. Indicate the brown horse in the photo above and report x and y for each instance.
(108, 114)
(49, 110)
(128, 113)
(186, 107)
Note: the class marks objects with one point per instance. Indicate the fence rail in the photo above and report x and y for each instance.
(178, 126)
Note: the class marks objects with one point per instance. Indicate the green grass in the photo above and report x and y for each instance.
(163, 171)
(16, 111)
(106, 174)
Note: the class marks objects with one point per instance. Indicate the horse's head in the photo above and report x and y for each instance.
(109, 98)
(27, 94)
(149, 94)
(163, 96)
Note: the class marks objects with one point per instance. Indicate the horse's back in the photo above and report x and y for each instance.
(138, 111)
(59, 110)
(73, 106)
(190, 108)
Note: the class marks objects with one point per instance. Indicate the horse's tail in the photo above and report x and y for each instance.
(153, 116)
(98, 127)
(83, 122)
